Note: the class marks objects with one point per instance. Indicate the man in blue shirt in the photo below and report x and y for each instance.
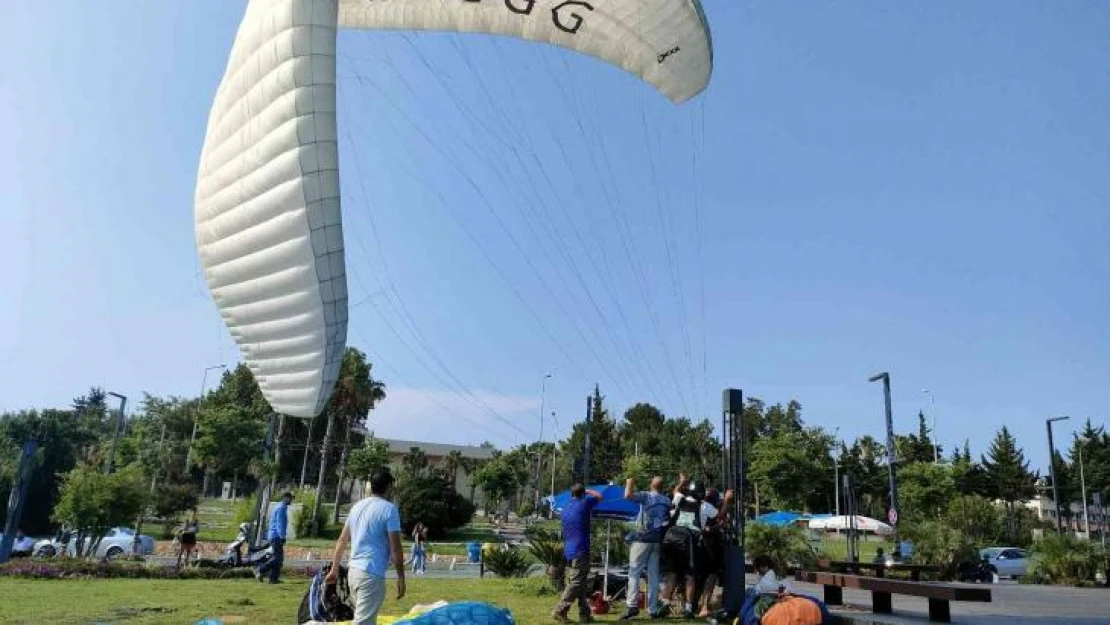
(279, 529)
(576, 549)
(373, 529)
(643, 555)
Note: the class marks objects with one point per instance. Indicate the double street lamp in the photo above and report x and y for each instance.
(892, 514)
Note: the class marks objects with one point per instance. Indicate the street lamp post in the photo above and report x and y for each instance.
(196, 418)
(892, 514)
(1052, 472)
(1083, 490)
(554, 450)
(115, 435)
(933, 413)
(539, 456)
(836, 479)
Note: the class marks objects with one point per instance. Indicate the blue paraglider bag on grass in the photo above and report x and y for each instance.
(463, 613)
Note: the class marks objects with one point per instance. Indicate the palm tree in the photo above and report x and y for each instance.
(452, 463)
(355, 395)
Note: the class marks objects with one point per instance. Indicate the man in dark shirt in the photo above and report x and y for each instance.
(576, 549)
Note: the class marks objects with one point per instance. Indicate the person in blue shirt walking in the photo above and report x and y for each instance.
(279, 529)
(373, 529)
(576, 549)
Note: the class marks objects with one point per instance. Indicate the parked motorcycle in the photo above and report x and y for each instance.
(980, 571)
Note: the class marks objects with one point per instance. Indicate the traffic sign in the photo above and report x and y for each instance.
(892, 516)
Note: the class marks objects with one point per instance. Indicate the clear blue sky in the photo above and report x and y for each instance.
(917, 188)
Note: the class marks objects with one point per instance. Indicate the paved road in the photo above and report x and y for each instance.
(1011, 603)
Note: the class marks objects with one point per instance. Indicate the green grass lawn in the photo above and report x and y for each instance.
(162, 602)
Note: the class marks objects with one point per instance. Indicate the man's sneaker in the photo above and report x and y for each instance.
(559, 617)
(662, 612)
(629, 614)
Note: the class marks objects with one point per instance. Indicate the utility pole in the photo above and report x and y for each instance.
(586, 455)
(1083, 489)
(539, 454)
(196, 419)
(1052, 473)
(554, 450)
(307, 448)
(110, 460)
(892, 514)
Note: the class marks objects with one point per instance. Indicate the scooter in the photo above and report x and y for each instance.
(255, 556)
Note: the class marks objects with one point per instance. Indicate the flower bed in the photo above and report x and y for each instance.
(64, 568)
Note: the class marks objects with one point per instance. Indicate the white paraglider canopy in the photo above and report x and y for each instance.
(268, 224)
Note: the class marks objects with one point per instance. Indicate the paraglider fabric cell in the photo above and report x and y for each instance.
(267, 205)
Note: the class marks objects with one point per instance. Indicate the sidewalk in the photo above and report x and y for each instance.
(1011, 603)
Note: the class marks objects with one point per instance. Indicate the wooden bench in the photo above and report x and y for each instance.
(881, 569)
(939, 595)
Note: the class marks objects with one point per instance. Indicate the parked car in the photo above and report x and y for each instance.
(118, 541)
(1006, 561)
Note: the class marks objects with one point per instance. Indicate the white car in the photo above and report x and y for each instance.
(1007, 561)
(118, 541)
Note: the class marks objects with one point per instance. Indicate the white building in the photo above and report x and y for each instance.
(1045, 509)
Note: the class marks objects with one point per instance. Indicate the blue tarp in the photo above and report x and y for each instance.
(779, 519)
(783, 518)
(613, 504)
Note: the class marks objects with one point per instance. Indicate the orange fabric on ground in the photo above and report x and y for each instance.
(792, 611)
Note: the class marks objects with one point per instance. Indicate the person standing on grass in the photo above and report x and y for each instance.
(279, 529)
(420, 549)
(643, 556)
(187, 537)
(373, 530)
(576, 549)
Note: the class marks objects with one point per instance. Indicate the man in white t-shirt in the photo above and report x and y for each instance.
(373, 529)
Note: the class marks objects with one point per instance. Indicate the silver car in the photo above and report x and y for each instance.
(1006, 561)
(118, 541)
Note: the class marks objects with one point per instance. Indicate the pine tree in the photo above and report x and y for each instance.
(605, 444)
(1006, 474)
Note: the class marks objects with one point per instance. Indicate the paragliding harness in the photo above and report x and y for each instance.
(683, 532)
(327, 603)
(645, 534)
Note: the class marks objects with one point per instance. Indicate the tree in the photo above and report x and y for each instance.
(451, 465)
(356, 393)
(414, 463)
(1092, 446)
(1007, 476)
(792, 469)
(63, 441)
(498, 481)
(370, 457)
(924, 490)
(92, 502)
(605, 444)
(228, 440)
(916, 447)
(869, 477)
(641, 430)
